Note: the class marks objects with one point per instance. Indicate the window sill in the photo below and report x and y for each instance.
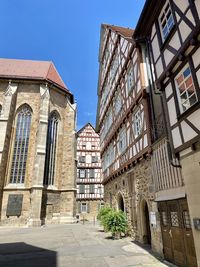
(15, 186)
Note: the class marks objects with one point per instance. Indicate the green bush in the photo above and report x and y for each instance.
(117, 222)
(102, 216)
(113, 221)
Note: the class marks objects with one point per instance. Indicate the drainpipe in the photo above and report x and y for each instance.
(163, 102)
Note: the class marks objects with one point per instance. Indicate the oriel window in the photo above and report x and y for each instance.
(21, 142)
(51, 146)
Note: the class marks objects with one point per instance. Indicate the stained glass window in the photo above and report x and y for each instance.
(51, 149)
(20, 149)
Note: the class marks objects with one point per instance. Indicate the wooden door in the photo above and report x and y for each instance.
(188, 236)
(178, 243)
(176, 233)
(165, 227)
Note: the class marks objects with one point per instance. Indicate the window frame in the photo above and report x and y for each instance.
(160, 21)
(177, 86)
(122, 140)
(18, 167)
(51, 149)
(82, 191)
(138, 123)
(84, 171)
(130, 86)
(83, 204)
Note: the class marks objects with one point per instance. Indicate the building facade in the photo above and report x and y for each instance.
(124, 124)
(37, 140)
(90, 191)
(170, 31)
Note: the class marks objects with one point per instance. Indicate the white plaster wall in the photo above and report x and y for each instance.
(185, 30)
(172, 111)
(188, 132)
(176, 137)
(155, 47)
(159, 67)
(182, 4)
(168, 90)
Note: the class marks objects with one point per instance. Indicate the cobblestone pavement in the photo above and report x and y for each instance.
(70, 246)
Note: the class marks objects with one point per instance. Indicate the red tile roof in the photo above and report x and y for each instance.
(30, 69)
(126, 32)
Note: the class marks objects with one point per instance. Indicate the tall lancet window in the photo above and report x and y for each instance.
(51, 149)
(20, 150)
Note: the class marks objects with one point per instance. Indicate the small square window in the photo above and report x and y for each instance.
(94, 159)
(81, 189)
(91, 188)
(82, 173)
(92, 172)
(166, 21)
(83, 207)
(82, 159)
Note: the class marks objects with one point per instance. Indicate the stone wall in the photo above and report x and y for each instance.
(91, 215)
(135, 187)
(53, 203)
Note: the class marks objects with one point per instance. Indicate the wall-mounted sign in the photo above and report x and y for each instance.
(152, 217)
(14, 206)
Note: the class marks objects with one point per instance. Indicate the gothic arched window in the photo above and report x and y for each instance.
(51, 149)
(20, 149)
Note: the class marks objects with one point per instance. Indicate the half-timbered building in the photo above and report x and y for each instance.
(90, 190)
(124, 126)
(37, 140)
(170, 30)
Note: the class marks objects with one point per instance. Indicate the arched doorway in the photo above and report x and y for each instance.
(146, 223)
(120, 202)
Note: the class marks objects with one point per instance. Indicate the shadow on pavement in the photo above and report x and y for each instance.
(21, 254)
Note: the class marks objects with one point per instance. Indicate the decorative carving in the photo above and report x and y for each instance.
(11, 89)
(44, 91)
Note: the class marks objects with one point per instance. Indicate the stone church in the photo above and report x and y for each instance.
(37, 140)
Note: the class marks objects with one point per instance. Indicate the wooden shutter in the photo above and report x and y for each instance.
(88, 207)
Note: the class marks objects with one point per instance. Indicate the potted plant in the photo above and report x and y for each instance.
(116, 223)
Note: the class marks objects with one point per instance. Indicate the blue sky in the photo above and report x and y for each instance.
(66, 32)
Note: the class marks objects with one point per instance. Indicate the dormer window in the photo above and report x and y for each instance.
(166, 21)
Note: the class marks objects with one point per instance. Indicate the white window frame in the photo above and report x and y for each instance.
(169, 21)
(137, 123)
(82, 173)
(184, 105)
(83, 204)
